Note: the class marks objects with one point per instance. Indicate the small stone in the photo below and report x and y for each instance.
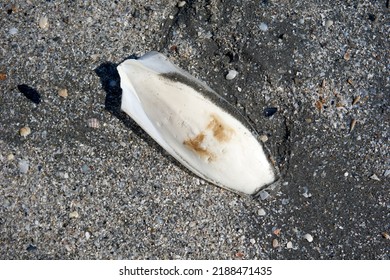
(94, 57)
(264, 195)
(231, 75)
(25, 131)
(85, 168)
(44, 22)
(73, 215)
(285, 201)
(306, 193)
(275, 243)
(308, 237)
(347, 55)
(263, 138)
(3, 76)
(63, 93)
(375, 177)
(252, 241)
(263, 26)
(261, 212)
(372, 17)
(11, 157)
(15, 8)
(328, 23)
(94, 123)
(13, 31)
(289, 245)
(269, 112)
(87, 235)
(181, 4)
(386, 235)
(23, 166)
(346, 174)
(67, 247)
(31, 248)
(386, 173)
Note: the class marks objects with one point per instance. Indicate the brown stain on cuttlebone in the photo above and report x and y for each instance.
(220, 131)
(195, 144)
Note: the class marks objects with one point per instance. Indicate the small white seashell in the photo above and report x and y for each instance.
(263, 138)
(94, 123)
(44, 22)
(13, 31)
(289, 245)
(23, 166)
(375, 177)
(261, 212)
(181, 4)
(263, 26)
(25, 131)
(63, 93)
(74, 215)
(194, 124)
(231, 75)
(308, 237)
(328, 23)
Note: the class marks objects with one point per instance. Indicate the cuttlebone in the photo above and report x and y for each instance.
(193, 124)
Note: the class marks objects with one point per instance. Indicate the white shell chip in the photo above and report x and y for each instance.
(194, 124)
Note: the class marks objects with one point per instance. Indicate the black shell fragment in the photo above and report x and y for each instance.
(269, 112)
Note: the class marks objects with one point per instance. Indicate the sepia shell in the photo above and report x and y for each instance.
(194, 124)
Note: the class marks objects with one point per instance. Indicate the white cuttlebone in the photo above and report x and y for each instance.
(200, 134)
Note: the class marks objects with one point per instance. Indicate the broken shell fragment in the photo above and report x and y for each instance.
(194, 124)
(93, 122)
(352, 125)
(355, 100)
(43, 22)
(308, 237)
(231, 75)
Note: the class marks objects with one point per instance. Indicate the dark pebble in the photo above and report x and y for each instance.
(31, 248)
(372, 17)
(269, 112)
(31, 93)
